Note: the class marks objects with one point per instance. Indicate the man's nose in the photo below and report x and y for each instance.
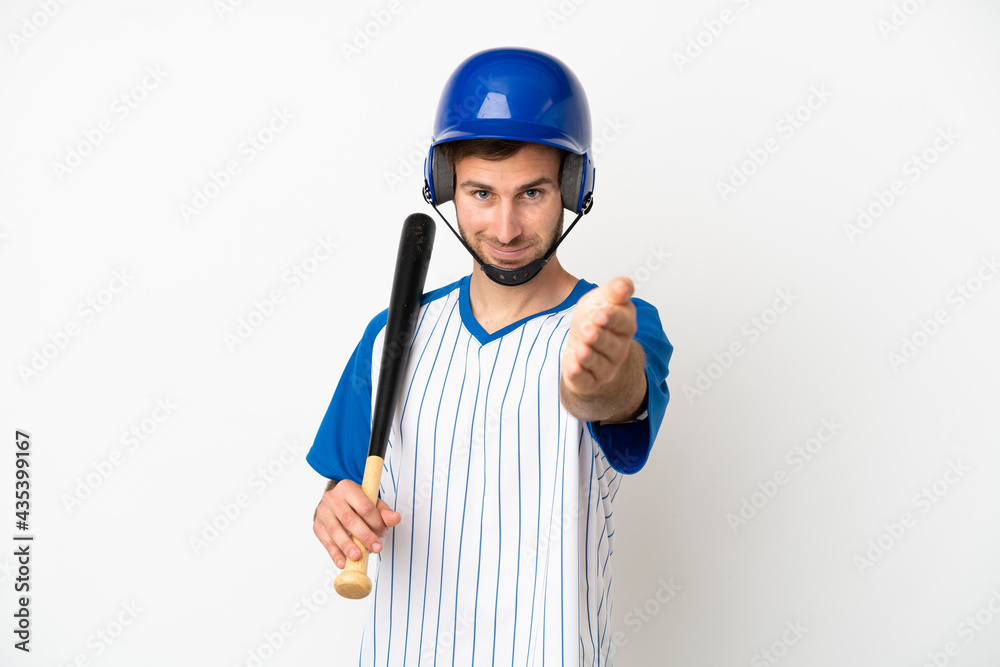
(507, 226)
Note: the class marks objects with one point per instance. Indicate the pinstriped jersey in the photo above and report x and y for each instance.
(503, 555)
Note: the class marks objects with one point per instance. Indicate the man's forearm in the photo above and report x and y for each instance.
(616, 401)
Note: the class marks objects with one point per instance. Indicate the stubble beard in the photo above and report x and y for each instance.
(478, 242)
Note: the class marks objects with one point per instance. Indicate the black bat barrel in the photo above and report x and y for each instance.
(412, 259)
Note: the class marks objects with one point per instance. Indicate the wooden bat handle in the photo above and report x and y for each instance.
(353, 582)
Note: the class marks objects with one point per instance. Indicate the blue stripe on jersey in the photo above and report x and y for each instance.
(586, 550)
(503, 402)
(538, 505)
(413, 510)
(520, 495)
(447, 493)
(465, 503)
(430, 512)
(482, 508)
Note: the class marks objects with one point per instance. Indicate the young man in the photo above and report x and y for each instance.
(527, 394)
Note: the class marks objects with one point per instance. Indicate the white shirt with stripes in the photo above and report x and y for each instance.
(503, 555)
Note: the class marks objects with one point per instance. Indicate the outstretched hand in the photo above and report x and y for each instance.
(600, 338)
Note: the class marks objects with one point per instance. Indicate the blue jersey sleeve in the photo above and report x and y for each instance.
(627, 445)
(341, 445)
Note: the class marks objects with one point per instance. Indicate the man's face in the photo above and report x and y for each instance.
(510, 211)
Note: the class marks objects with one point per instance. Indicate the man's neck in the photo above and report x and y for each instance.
(496, 306)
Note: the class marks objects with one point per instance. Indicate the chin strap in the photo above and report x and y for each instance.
(521, 274)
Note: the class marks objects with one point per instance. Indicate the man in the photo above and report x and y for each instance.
(527, 394)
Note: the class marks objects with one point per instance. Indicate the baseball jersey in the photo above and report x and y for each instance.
(503, 555)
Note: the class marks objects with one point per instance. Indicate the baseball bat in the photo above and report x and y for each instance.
(412, 259)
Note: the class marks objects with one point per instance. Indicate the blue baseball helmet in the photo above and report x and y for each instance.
(515, 94)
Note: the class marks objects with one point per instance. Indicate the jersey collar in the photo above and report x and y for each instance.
(470, 322)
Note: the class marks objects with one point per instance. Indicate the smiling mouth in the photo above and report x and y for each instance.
(508, 255)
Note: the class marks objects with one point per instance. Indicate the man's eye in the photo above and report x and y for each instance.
(532, 193)
(481, 194)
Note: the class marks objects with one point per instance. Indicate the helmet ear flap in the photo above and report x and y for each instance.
(440, 176)
(576, 180)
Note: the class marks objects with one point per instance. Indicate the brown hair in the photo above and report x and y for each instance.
(487, 149)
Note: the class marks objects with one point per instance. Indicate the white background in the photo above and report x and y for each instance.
(344, 169)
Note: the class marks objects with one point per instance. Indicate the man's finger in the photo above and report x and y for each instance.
(357, 526)
(323, 534)
(620, 319)
(619, 290)
(597, 363)
(367, 510)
